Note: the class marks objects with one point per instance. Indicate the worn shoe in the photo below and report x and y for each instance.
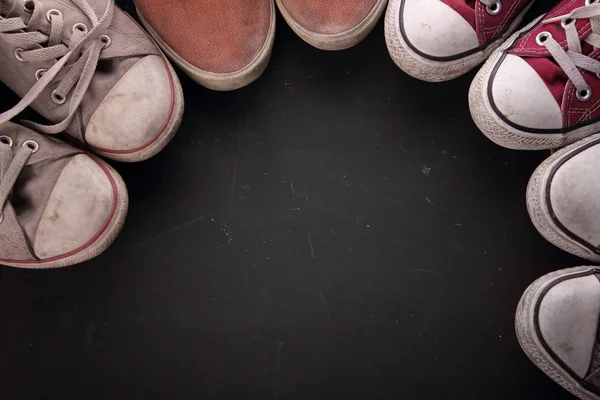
(59, 205)
(332, 24)
(562, 199)
(221, 44)
(557, 327)
(439, 40)
(87, 67)
(541, 89)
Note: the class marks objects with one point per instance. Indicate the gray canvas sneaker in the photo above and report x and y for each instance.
(562, 198)
(59, 205)
(557, 327)
(87, 67)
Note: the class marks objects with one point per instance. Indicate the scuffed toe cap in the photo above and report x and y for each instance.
(522, 97)
(135, 110)
(568, 320)
(434, 29)
(572, 190)
(80, 205)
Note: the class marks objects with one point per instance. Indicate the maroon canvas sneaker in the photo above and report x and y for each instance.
(438, 40)
(541, 89)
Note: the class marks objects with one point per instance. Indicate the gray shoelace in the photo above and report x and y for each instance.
(572, 58)
(76, 61)
(11, 166)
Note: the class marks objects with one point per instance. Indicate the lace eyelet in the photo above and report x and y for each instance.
(495, 8)
(52, 12)
(18, 54)
(590, 2)
(585, 94)
(39, 73)
(566, 22)
(598, 75)
(6, 140)
(542, 37)
(105, 41)
(29, 6)
(57, 98)
(80, 27)
(31, 145)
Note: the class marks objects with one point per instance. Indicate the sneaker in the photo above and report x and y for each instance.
(332, 24)
(87, 67)
(541, 89)
(59, 205)
(439, 40)
(562, 199)
(221, 44)
(557, 327)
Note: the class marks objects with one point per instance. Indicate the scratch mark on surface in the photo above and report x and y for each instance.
(305, 199)
(312, 250)
(235, 165)
(428, 271)
(249, 287)
(279, 347)
(428, 200)
(168, 232)
(425, 170)
(292, 187)
(326, 307)
(402, 148)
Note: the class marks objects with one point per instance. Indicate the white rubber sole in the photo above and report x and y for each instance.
(530, 342)
(338, 41)
(503, 134)
(539, 210)
(221, 82)
(105, 238)
(428, 70)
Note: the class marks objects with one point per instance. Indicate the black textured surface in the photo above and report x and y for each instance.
(335, 230)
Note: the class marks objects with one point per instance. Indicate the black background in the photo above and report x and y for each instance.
(335, 230)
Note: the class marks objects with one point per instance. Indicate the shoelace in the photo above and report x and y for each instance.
(11, 167)
(572, 59)
(76, 61)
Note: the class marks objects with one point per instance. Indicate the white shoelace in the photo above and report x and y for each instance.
(76, 61)
(572, 58)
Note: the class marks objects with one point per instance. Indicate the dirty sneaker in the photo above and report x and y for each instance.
(221, 44)
(541, 89)
(87, 67)
(59, 205)
(332, 24)
(557, 327)
(439, 40)
(562, 198)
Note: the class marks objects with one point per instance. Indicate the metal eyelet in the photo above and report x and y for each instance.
(32, 145)
(105, 41)
(18, 55)
(495, 8)
(585, 94)
(57, 98)
(1, 216)
(6, 140)
(542, 37)
(80, 27)
(39, 73)
(598, 75)
(28, 6)
(52, 12)
(589, 2)
(566, 22)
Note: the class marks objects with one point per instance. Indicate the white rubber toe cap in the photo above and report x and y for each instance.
(568, 321)
(81, 203)
(572, 191)
(435, 29)
(522, 97)
(135, 110)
